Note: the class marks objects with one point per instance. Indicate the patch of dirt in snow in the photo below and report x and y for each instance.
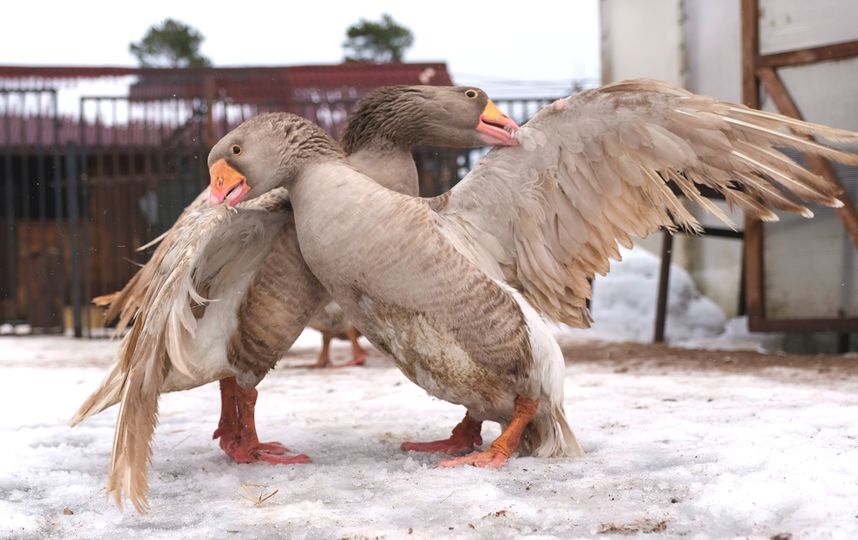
(647, 356)
(645, 526)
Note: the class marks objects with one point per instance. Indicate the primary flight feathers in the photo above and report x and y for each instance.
(591, 172)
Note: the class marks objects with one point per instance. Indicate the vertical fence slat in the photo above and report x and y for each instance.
(58, 188)
(24, 239)
(11, 225)
(48, 301)
(82, 179)
(114, 185)
(76, 246)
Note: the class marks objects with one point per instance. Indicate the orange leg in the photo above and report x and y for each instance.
(465, 436)
(505, 445)
(237, 429)
(358, 354)
(324, 355)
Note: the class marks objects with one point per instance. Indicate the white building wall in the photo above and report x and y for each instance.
(642, 39)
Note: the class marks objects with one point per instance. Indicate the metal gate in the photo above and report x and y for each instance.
(79, 195)
(33, 246)
(141, 163)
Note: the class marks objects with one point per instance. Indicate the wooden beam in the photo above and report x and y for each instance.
(797, 57)
(802, 325)
(753, 252)
(783, 101)
(753, 243)
(755, 298)
(750, 13)
(742, 304)
(663, 286)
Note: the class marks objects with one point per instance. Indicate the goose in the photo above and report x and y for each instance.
(456, 288)
(332, 323)
(246, 257)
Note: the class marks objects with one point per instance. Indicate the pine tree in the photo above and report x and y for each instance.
(170, 44)
(382, 42)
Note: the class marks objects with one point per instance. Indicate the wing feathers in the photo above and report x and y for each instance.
(593, 170)
(164, 324)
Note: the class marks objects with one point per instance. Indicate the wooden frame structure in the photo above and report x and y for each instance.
(759, 70)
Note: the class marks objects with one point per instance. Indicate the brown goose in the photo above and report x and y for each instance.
(246, 256)
(452, 288)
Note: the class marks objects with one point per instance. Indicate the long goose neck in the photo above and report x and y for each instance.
(388, 119)
(318, 180)
(392, 168)
(379, 136)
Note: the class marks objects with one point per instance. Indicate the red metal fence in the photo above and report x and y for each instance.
(80, 194)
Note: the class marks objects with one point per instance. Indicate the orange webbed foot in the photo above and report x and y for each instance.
(357, 360)
(272, 453)
(465, 436)
(493, 458)
(505, 445)
(237, 429)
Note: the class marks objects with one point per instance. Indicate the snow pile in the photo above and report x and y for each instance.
(672, 452)
(736, 336)
(624, 302)
(7, 329)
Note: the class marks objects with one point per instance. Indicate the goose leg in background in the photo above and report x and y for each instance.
(237, 429)
(358, 354)
(325, 354)
(465, 436)
(506, 444)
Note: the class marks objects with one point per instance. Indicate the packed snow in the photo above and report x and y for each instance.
(673, 450)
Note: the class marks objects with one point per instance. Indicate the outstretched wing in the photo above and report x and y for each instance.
(201, 253)
(592, 171)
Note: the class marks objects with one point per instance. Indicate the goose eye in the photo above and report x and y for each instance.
(471, 93)
(236, 150)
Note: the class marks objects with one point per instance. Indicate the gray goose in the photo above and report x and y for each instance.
(454, 288)
(246, 256)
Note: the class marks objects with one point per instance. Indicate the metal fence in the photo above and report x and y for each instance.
(33, 276)
(80, 195)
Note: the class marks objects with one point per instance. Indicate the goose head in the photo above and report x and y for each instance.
(264, 153)
(393, 116)
(447, 116)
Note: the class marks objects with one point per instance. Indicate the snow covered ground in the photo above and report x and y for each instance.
(674, 449)
(624, 301)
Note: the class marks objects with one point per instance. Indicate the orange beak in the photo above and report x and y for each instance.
(495, 127)
(227, 184)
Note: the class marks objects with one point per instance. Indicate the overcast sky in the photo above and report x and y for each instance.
(537, 40)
